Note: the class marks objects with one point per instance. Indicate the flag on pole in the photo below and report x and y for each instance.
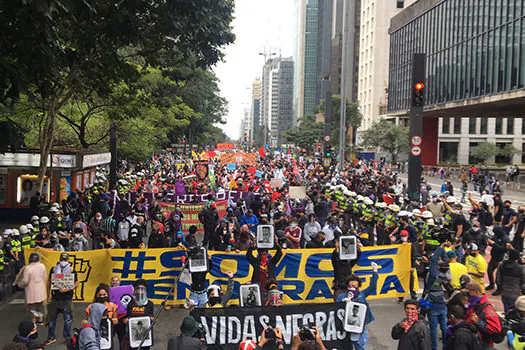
(261, 152)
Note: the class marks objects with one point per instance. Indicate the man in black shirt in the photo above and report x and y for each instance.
(198, 285)
(509, 217)
(61, 300)
(499, 245)
(498, 209)
(317, 242)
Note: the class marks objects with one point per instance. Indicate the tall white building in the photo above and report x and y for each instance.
(374, 45)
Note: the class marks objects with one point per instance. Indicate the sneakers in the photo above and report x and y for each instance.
(490, 287)
(49, 342)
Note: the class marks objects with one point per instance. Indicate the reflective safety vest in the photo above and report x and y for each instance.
(429, 237)
(390, 220)
(17, 246)
(368, 215)
(33, 240)
(25, 241)
(355, 207)
(362, 208)
(2, 259)
(447, 218)
(379, 216)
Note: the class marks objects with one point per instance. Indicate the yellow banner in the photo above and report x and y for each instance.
(304, 275)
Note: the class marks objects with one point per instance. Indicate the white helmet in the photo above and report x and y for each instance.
(378, 204)
(53, 210)
(451, 199)
(368, 201)
(404, 213)
(347, 193)
(55, 205)
(382, 205)
(416, 212)
(34, 218)
(359, 197)
(394, 207)
(23, 229)
(44, 220)
(29, 226)
(8, 232)
(16, 232)
(353, 194)
(427, 214)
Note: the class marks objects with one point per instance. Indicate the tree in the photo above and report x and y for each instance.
(388, 136)
(307, 132)
(353, 118)
(509, 151)
(485, 150)
(52, 50)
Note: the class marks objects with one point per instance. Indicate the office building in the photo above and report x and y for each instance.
(256, 112)
(475, 74)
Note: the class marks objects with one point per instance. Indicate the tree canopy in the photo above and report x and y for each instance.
(306, 133)
(388, 136)
(353, 117)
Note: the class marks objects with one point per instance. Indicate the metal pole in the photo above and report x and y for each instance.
(342, 124)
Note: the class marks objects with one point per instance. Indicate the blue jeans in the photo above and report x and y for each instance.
(507, 303)
(363, 339)
(53, 324)
(438, 314)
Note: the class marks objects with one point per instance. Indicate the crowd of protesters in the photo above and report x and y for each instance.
(453, 249)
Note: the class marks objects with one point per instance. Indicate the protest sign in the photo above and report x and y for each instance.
(276, 182)
(191, 213)
(62, 281)
(227, 327)
(297, 192)
(121, 296)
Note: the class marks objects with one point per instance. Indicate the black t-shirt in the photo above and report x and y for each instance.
(57, 295)
(459, 220)
(499, 204)
(508, 215)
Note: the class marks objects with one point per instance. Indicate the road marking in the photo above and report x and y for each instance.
(17, 302)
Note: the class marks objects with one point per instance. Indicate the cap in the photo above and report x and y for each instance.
(474, 246)
(64, 257)
(472, 286)
(520, 303)
(404, 233)
(451, 254)
(247, 345)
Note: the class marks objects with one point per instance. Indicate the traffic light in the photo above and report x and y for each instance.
(418, 95)
(328, 154)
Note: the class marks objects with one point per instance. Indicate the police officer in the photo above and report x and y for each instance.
(25, 237)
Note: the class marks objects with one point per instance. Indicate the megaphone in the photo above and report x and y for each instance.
(189, 303)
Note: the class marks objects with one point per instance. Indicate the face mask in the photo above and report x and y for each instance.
(275, 297)
(521, 211)
(352, 292)
(475, 229)
(77, 235)
(404, 239)
(264, 259)
(474, 299)
(99, 218)
(214, 300)
(507, 207)
(102, 300)
(64, 263)
(434, 200)
(36, 223)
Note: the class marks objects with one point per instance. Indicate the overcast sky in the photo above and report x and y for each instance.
(258, 25)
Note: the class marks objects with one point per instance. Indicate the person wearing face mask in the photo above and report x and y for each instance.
(311, 228)
(475, 235)
(27, 334)
(140, 305)
(353, 293)
(499, 244)
(89, 334)
(263, 266)
(79, 243)
(61, 301)
(94, 229)
(413, 333)
(218, 299)
(413, 260)
(102, 297)
(519, 234)
(274, 294)
(461, 334)
(509, 217)
(482, 315)
(293, 234)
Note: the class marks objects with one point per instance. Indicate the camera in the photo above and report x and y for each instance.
(306, 332)
(269, 333)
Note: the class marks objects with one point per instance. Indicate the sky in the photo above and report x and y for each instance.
(259, 26)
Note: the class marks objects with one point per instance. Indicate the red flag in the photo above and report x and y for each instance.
(261, 152)
(295, 171)
(251, 170)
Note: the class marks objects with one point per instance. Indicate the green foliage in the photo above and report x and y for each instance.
(486, 150)
(388, 136)
(353, 117)
(307, 132)
(509, 151)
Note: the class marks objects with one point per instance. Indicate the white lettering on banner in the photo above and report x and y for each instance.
(90, 160)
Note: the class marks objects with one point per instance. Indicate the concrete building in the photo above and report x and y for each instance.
(306, 36)
(374, 43)
(475, 74)
(248, 125)
(277, 98)
(256, 111)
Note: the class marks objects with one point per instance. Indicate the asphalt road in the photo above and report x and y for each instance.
(387, 312)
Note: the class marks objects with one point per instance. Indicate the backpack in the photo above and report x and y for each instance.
(72, 344)
(496, 337)
(474, 338)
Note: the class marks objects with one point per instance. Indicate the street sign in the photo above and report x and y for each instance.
(326, 162)
(327, 138)
(416, 151)
(416, 140)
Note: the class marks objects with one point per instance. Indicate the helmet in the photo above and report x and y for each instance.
(44, 220)
(427, 214)
(368, 201)
(347, 193)
(16, 232)
(431, 222)
(360, 198)
(29, 226)
(34, 218)
(416, 212)
(451, 199)
(394, 207)
(247, 345)
(23, 229)
(353, 194)
(55, 205)
(378, 204)
(8, 232)
(53, 210)
(382, 205)
(403, 213)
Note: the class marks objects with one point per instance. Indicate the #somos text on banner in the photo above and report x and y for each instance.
(226, 328)
(304, 275)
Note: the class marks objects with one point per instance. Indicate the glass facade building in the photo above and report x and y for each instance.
(474, 48)
(310, 57)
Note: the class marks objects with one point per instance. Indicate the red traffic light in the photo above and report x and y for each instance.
(419, 86)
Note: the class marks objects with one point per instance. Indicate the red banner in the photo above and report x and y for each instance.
(239, 158)
(226, 145)
(191, 213)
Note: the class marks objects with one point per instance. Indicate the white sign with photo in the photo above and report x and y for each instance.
(62, 281)
(106, 335)
(199, 261)
(138, 328)
(249, 295)
(265, 237)
(347, 248)
(297, 192)
(355, 317)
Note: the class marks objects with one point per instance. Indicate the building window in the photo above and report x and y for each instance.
(484, 126)
(446, 126)
(457, 125)
(510, 126)
(400, 4)
(448, 152)
(499, 126)
(472, 121)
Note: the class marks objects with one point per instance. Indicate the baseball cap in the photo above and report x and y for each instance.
(64, 257)
(451, 254)
(404, 233)
(247, 345)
